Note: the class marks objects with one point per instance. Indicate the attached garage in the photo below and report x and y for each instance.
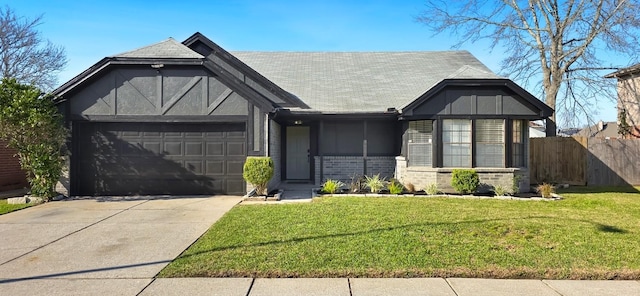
(161, 120)
(159, 158)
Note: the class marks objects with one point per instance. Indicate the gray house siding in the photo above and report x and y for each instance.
(172, 130)
(164, 92)
(480, 101)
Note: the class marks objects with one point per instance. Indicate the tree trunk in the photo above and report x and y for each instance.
(551, 123)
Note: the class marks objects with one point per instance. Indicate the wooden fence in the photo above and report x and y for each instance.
(585, 161)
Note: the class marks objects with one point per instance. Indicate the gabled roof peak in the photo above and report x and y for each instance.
(168, 48)
(468, 71)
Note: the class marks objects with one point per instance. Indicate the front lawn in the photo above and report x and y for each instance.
(584, 236)
(7, 208)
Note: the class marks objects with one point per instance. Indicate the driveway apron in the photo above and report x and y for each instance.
(103, 238)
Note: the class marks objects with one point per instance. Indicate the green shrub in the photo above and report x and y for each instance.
(258, 171)
(515, 184)
(395, 187)
(465, 181)
(375, 183)
(500, 190)
(431, 189)
(331, 186)
(31, 124)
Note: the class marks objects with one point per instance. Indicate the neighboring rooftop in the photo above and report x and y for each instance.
(362, 81)
(600, 130)
(624, 72)
(169, 48)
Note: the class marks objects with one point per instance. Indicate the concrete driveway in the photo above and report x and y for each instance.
(110, 245)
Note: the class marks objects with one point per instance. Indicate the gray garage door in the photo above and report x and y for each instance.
(153, 158)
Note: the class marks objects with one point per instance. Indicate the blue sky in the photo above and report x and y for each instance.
(91, 30)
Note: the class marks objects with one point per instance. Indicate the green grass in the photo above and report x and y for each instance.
(7, 208)
(584, 236)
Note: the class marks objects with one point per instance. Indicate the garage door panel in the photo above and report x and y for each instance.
(193, 148)
(152, 147)
(236, 149)
(234, 167)
(135, 158)
(215, 149)
(235, 184)
(215, 168)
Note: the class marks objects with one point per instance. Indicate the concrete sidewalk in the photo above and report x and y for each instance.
(399, 287)
(324, 286)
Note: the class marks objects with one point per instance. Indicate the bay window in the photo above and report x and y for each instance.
(488, 143)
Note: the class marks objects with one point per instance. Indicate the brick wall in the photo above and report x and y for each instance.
(11, 176)
(420, 177)
(344, 167)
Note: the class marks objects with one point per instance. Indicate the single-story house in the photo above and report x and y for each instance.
(605, 130)
(181, 118)
(536, 130)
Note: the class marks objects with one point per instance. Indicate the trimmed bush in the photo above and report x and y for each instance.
(465, 181)
(258, 171)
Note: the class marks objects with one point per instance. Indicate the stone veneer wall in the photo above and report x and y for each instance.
(344, 167)
(422, 176)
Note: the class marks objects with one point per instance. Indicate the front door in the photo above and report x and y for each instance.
(298, 153)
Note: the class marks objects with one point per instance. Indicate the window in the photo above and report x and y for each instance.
(489, 143)
(343, 138)
(469, 143)
(517, 148)
(419, 137)
(456, 143)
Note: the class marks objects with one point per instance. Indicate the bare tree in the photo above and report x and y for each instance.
(555, 46)
(24, 55)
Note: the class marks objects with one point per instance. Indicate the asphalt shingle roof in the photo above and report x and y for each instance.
(169, 48)
(362, 81)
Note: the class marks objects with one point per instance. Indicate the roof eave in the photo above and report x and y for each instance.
(635, 69)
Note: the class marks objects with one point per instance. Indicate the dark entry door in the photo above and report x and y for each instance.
(298, 165)
(159, 158)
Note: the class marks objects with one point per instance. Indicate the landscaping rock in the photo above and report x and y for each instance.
(25, 200)
(17, 200)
